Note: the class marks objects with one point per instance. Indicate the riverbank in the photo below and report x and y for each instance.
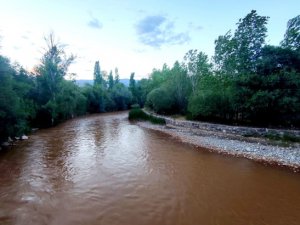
(236, 144)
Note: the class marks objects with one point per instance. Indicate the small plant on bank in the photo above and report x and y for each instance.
(138, 114)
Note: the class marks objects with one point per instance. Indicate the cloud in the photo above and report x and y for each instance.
(95, 23)
(136, 50)
(195, 27)
(156, 31)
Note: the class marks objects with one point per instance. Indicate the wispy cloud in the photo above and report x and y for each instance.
(156, 31)
(195, 27)
(95, 23)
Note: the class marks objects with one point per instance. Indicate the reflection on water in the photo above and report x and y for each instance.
(103, 170)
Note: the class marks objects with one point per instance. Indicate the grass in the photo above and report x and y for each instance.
(285, 137)
(139, 114)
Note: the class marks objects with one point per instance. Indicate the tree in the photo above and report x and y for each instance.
(224, 57)
(292, 34)
(132, 88)
(117, 77)
(16, 106)
(213, 99)
(250, 38)
(142, 91)
(238, 54)
(275, 59)
(160, 101)
(98, 79)
(132, 83)
(70, 101)
(272, 96)
(54, 66)
(121, 96)
(179, 86)
(197, 65)
(110, 80)
(190, 59)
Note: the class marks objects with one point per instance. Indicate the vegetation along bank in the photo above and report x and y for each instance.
(245, 82)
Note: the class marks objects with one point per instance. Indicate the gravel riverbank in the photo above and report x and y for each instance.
(258, 149)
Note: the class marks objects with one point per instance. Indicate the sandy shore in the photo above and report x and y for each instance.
(257, 149)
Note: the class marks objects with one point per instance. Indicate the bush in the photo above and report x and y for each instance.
(160, 101)
(139, 114)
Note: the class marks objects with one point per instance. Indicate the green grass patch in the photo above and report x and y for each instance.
(285, 137)
(139, 114)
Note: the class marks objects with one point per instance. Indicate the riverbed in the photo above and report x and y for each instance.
(102, 169)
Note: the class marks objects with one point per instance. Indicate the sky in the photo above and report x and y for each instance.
(132, 35)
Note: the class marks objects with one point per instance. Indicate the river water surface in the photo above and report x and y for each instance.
(104, 170)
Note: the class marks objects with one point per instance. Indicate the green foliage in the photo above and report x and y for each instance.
(225, 58)
(285, 137)
(50, 77)
(70, 101)
(292, 35)
(238, 54)
(251, 83)
(139, 114)
(179, 87)
(250, 38)
(136, 114)
(247, 83)
(167, 90)
(196, 65)
(160, 101)
(117, 77)
(110, 80)
(213, 99)
(98, 79)
(133, 88)
(16, 107)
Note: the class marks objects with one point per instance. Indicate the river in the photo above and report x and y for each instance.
(102, 169)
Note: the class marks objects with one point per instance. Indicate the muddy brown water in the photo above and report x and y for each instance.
(104, 170)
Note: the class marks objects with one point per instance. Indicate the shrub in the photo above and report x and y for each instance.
(139, 114)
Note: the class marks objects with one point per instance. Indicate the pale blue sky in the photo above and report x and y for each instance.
(133, 35)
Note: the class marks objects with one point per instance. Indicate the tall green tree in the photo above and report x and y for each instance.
(197, 65)
(51, 71)
(110, 80)
(225, 57)
(117, 76)
(98, 78)
(190, 59)
(132, 87)
(179, 87)
(238, 53)
(250, 38)
(292, 34)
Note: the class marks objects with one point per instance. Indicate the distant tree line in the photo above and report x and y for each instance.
(245, 82)
(45, 98)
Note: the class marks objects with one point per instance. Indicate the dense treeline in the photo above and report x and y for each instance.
(245, 82)
(44, 97)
